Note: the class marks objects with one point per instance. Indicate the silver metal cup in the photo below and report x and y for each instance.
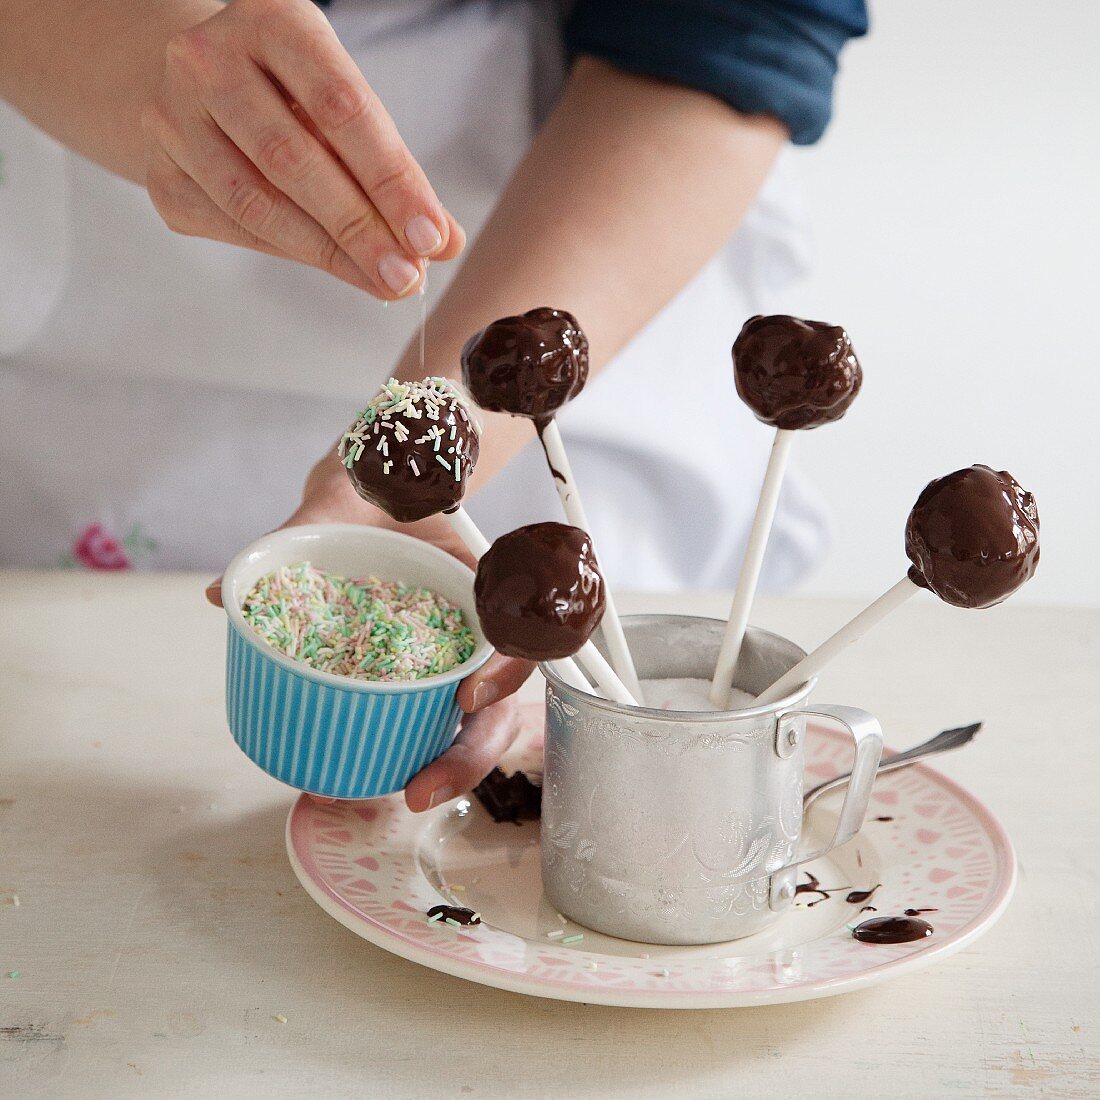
(678, 827)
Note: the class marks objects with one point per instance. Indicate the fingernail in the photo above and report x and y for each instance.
(439, 796)
(485, 693)
(397, 273)
(422, 234)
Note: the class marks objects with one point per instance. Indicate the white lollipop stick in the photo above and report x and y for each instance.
(813, 663)
(750, 569)
(468, 531)
(592, 661)
(566, 485)
(478, 544)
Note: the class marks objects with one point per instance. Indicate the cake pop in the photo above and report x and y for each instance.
(540, 595)
(794, 375)
(411, 451)
(973, 539)
(530, 365)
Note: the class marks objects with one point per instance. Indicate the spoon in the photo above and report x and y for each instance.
(942, 742)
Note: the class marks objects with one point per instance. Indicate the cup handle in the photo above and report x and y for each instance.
(867, 735)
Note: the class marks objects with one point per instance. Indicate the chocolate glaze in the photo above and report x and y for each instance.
(917, 912)
(455, 912)
(795, 374)
(857, 896)
(511, 798)
(812, 885)
(892, 930)
(406, 479)
(973, 537)
(527, 365)
(539, 591)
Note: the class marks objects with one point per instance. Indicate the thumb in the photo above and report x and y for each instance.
(498, 678)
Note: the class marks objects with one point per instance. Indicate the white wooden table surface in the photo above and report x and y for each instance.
(159, 929)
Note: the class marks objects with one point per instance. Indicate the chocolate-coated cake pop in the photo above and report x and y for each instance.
(528, 365)
(973, 537)
(539, 592)
(795, 374)
(412, 449)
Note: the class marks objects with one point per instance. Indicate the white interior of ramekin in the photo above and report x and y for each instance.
(355, 551)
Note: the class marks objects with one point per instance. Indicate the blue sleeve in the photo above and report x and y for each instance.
(773, 57)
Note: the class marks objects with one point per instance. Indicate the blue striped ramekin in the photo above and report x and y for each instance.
(331, 735)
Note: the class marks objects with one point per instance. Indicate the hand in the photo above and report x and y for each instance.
(265, 134)
(493, 723)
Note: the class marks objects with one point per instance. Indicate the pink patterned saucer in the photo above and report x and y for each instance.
(377, 869)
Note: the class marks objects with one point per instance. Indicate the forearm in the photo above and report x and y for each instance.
(630, 188)
(83, 70)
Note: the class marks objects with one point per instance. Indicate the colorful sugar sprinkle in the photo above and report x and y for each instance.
(366, 629)
(574, 939)
(397, 403)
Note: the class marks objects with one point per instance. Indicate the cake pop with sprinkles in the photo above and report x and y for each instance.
(973, 537)
(539, 592)
(413, 448)
(527, 365)
(795, 374)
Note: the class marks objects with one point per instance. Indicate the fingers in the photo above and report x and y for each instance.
(498, 678)
(214, 592)
(265, 112)
(456, 240)
(304, 54)
(259, 121)
(481, 742)
(188, 209)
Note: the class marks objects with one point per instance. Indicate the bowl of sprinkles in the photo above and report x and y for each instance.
(346, 645)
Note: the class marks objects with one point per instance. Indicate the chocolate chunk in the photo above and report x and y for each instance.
(511, 798)
(458, 913)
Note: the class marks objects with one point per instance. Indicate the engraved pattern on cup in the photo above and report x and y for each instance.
(661, 829)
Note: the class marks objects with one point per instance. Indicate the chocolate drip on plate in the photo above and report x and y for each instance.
(892, 930)
(812, 885)
(857, 896)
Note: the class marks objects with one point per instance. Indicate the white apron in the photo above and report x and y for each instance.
(162, 398)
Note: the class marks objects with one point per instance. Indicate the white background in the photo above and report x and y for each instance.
(955, 202)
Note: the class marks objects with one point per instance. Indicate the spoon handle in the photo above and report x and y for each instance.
(942, 742)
